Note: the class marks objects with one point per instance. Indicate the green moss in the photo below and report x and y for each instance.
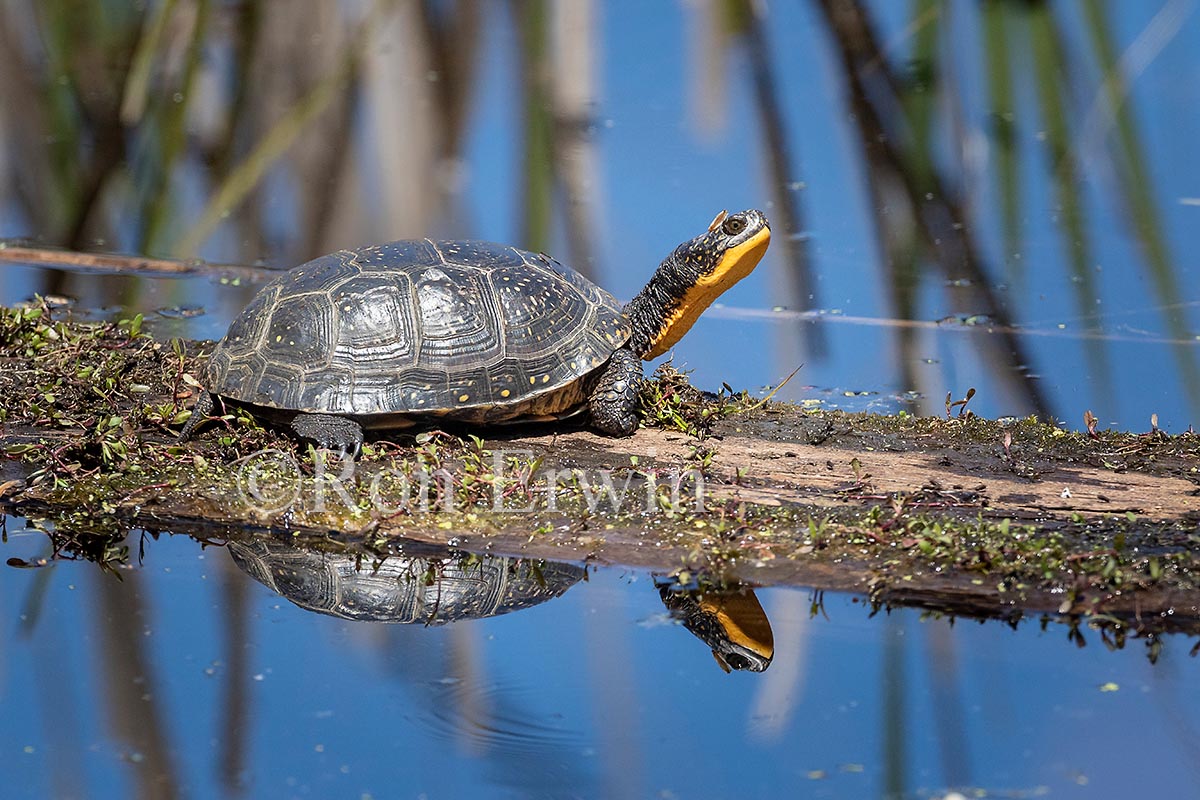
(95, 405)
(669, 401)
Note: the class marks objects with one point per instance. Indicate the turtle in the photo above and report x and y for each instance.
(426, 584)
(730, 621)
(470, 332)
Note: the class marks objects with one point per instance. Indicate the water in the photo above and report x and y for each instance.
(184, 675)
(1034, 177)
(1086, 254)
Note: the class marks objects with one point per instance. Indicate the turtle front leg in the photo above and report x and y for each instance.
(613, 402)
(330, 432)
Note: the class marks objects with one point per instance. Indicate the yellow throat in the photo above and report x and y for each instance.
(735, 263)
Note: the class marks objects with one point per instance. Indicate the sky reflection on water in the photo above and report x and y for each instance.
(1061, 149)
(596, 693)
(1065, 206)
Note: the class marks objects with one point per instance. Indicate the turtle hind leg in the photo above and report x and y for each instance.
(613, 402)
(330, 432)
(200, 412)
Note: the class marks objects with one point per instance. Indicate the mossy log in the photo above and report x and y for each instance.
(971, 516)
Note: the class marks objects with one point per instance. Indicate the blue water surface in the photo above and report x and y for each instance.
(180, 676)
(183, 676)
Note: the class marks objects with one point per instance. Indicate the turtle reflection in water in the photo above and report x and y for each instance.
(430, 589)
(730, 621)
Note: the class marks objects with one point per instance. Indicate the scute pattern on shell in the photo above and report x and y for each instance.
(399, 589)
(469, 330)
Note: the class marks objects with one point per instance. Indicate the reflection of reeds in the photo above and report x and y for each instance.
(725, 24)
(893, 709)
(247, 174)
(946, 701)
(59, 707)
(537, 176)
(911, 177)
(1002, 128)
(58, 704)
(1136, 187)
(573, 91)
(131, 689)
(165, 139)
(782, 175)
(558, 156)
(127, 135)
(1048, 60)
(897, 120)
(236, 720)
(65, 114)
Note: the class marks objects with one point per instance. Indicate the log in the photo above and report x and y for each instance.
(960, 514)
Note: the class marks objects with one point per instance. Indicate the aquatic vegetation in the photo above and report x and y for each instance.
(88, 410)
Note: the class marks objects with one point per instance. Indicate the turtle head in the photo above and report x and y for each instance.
(693, 276)
(731, 622)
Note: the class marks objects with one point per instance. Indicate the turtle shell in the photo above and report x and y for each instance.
(425, 590)
(473, 331)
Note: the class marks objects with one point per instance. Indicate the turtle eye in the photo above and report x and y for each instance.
(733, 226)
(737, 661)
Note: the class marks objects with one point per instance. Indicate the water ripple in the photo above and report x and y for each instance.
(497, 718)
